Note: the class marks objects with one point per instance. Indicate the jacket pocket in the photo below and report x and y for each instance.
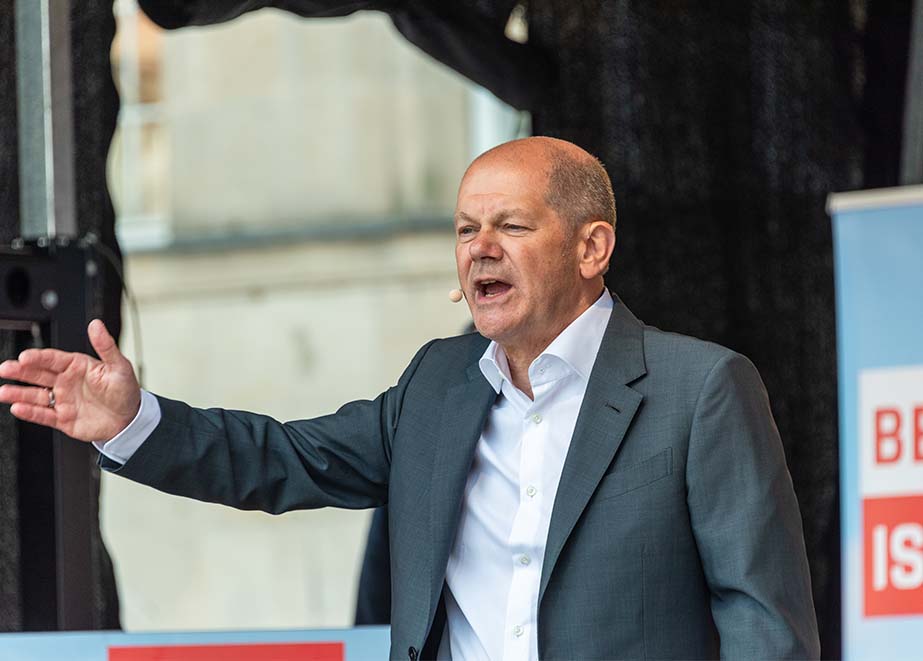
(629, 478)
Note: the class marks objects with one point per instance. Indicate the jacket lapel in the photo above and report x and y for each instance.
(465, 411)
(608, 408)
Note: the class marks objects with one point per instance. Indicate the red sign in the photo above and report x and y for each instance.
(245, 652)
(893, 541)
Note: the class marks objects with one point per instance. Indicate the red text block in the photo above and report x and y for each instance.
(893, 543)
(245, 652)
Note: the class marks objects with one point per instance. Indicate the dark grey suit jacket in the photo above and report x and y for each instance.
(675, 531)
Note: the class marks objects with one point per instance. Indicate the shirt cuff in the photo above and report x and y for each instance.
(123, 445)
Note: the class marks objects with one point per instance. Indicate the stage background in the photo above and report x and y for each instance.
(723, 127)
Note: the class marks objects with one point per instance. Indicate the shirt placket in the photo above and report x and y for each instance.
(525, 544)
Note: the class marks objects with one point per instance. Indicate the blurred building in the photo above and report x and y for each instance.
(284, 191)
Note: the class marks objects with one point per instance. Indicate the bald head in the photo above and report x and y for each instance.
(577, 185)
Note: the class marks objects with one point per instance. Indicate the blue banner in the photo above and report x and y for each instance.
(878, 249)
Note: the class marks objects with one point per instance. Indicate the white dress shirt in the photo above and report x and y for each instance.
(495, 566)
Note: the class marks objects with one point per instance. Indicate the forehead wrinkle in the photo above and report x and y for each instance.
(497, 217)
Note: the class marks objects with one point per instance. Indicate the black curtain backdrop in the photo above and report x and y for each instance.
(95, 105)
(723, 128)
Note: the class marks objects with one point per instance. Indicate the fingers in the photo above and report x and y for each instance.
(103, 343)
(53, 360)
(16, 371)
(40, 415)
(25, 395)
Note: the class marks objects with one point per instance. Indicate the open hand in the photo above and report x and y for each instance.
(87, 399)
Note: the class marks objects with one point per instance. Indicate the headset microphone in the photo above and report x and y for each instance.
(456, 295)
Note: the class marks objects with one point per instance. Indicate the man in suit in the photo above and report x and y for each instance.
(566, 483)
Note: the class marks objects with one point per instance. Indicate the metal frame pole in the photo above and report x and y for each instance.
(46, 119)
(912, 147)
(56, 485)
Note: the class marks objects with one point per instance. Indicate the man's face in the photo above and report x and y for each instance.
(517, 263)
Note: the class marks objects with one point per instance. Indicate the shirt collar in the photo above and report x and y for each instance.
(576, 346)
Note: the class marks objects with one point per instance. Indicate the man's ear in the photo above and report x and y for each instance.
(597, 241)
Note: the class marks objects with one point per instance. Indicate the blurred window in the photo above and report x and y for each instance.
(276, 125)
(284, 191)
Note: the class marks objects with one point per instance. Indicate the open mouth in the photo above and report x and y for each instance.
(490, 289)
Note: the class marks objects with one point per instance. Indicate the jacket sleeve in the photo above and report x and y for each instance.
(251, 461)
(746, 520)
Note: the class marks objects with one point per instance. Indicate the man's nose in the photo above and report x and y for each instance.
(485, 246)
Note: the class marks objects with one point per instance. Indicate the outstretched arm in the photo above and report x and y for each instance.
(86, 398)
(236, 458)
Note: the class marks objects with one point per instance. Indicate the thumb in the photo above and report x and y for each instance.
(102, 342)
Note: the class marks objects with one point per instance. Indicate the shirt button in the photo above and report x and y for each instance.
(524, 560)
(531, 491)
(517, 631)
(536, 418)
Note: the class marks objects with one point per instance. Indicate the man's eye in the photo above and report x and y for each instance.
(514, 228)
(462, 231)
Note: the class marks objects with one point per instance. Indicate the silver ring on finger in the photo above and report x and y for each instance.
(51, 398)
